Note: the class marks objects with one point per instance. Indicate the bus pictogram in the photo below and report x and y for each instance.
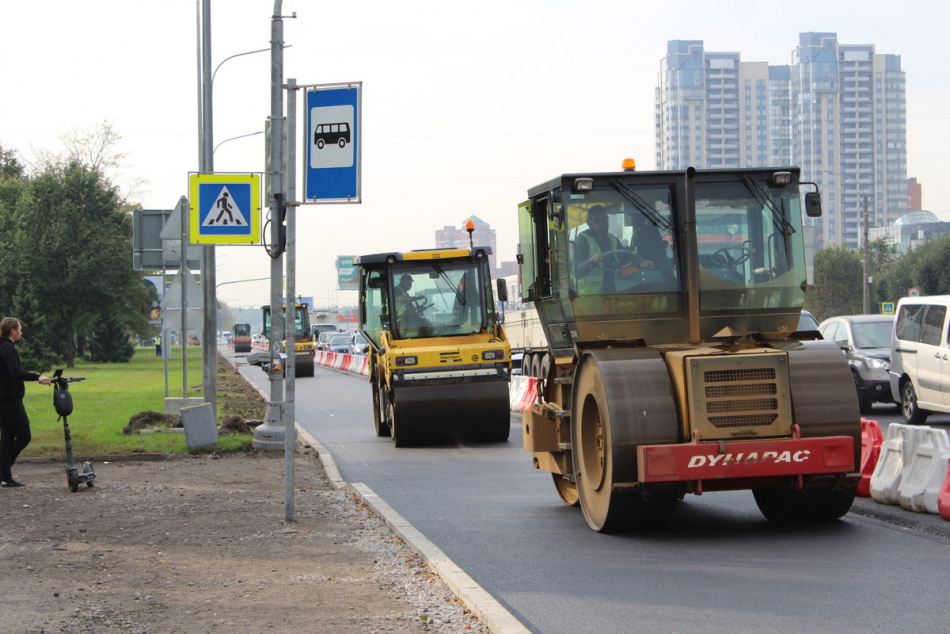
(332, 133)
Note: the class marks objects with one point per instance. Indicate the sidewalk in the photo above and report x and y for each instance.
(199, 544)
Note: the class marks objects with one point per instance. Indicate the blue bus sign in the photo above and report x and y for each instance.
(332, 171)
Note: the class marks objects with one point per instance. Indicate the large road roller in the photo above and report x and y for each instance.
(670, 302)
(439, 362)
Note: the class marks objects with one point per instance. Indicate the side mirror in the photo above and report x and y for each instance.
(502, 286)
(813, 204)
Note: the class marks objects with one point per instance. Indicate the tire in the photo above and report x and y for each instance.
(566, 490)
(320, 144)
(342, 143)
(604, 450)
(864, 403)
(913, 415)
(380, 408)
(787, 506)
(72, 477)
(400, 428)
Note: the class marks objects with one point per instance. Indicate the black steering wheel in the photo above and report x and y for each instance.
(417, 304)
(723, 257)
(625, 257)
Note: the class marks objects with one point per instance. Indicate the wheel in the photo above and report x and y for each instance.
(864, 403)
(913, 415)
(72, 477)
(605, 451)
(624, 256)
(320, 144)
(786, 506)
(401, 429)
(566, 489)
(723, 257)
(380, 408)
(342, 143)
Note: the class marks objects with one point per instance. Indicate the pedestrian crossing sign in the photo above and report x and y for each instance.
(225, 208)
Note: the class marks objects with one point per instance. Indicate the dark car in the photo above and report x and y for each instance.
(339, 342)
(866, 342)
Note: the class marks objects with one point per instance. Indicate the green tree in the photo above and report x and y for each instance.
(110, 342)
(71, 247)
(837, 289)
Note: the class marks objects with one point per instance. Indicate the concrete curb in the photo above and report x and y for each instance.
(484, 605)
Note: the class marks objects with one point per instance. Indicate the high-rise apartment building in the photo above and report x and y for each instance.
(837, 111)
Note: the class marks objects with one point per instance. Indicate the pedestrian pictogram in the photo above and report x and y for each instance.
(225, 209)
(225, 212)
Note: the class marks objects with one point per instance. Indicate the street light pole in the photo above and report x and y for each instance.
(865, 282)
(865, 246)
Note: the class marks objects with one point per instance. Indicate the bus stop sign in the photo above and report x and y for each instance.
(332, 172)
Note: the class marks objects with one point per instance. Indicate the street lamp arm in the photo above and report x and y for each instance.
(256, 279)
(234, 138)
(262, 50)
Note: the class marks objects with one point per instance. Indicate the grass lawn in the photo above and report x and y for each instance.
(114, 392)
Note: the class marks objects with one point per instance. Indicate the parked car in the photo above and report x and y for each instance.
(807, 321)
(920, 376)
(339, 342)
(358, 344)
(866, 341)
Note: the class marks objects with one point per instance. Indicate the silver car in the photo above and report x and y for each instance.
(866, 341)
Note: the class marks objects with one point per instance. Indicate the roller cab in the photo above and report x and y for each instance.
(439, 360)
(669, 302)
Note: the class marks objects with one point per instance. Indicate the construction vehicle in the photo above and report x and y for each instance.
(241, 337)
(439, 361)
(303, 343)
(673, 362)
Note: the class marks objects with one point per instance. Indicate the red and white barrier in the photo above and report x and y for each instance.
(871, 441)
(531, 394)
(943, 497)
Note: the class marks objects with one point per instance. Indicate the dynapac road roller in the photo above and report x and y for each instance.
(669, 302)
(439, 360)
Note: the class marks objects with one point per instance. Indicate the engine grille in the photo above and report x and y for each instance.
(739, 395)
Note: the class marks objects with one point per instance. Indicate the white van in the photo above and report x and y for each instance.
(920, 357)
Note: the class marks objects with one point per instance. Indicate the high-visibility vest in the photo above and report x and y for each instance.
(593, 282)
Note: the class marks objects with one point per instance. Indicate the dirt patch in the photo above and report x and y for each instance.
(200, 544)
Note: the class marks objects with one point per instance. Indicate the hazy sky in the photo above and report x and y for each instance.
(465, 104)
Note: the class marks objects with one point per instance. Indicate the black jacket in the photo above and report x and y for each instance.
(12, 375)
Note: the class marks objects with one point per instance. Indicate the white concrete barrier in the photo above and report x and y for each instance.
(898, 442)
(925, 472)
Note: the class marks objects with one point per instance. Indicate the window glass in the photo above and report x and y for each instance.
(932, 325)
(908, 322)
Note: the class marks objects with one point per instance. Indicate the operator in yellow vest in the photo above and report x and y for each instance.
(595, 265)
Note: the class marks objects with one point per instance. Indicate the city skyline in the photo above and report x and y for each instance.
(465, 107)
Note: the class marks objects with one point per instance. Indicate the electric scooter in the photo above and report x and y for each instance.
(63, 402)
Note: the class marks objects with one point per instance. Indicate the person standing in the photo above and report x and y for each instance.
(14, 423)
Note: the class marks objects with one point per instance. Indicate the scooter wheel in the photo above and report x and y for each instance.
(73, 479)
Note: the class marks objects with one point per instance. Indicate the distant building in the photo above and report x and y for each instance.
(837, 111)
(915, 194)
(911, 230)
(483, 236)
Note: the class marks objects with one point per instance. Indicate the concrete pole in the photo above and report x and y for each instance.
(209, 336)
(865, 284)
(290, 389)
(275, 203)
